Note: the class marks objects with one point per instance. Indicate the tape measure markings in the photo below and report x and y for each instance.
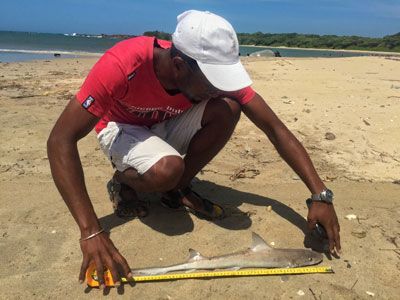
(246, 272)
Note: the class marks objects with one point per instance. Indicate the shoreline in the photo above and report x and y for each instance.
(331, 50)
(50, 52)
(20, 55)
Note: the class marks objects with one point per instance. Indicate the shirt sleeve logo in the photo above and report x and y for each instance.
(88, 102)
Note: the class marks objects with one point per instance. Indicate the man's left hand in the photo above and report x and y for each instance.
(324, 213)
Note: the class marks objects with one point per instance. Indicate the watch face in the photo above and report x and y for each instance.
(328, 195)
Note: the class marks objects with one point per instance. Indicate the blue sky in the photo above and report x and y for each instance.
(374, 18)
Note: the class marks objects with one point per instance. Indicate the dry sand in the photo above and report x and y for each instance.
(346, 112)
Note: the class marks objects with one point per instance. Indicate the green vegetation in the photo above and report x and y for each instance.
(159, 34)
(387, 43)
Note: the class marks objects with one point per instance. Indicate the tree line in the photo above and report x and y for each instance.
(387, 43)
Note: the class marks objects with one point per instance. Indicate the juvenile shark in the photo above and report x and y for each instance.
(259, 255)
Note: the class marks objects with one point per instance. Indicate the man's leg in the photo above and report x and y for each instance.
(144, 162)
(162, 176)
(172, 172)
(219, 120)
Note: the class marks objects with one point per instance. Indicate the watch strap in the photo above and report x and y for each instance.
(326, 196)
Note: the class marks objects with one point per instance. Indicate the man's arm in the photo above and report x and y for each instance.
(73, 124)
(296, 156)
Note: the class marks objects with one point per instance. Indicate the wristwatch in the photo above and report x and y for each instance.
(325, 196)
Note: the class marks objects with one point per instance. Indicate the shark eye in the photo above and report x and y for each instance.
(310, 259)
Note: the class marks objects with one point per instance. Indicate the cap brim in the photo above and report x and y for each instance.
(226, 78)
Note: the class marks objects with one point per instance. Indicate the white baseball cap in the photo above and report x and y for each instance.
(212, 42)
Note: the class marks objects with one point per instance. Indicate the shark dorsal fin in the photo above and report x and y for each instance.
(258, 243)
(194, 255)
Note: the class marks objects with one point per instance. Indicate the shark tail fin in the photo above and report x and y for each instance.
(258, 244)
(195, 255)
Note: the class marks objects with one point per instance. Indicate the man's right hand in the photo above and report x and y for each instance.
(101, 251)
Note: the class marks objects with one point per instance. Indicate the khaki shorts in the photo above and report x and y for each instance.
(140, 147)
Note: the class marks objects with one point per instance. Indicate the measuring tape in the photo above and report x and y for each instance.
(92, 280)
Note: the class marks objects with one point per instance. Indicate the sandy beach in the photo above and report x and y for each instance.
(345, 111)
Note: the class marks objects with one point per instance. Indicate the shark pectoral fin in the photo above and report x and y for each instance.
(233, 268)
(195, 255)
(258, 243)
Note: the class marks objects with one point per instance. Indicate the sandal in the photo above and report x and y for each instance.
(125, 208)
(210, 211)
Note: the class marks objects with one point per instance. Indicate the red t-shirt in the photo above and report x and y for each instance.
(122, 87)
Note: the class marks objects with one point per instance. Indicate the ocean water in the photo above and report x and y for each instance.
(22, 46)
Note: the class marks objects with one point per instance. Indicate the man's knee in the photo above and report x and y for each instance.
(234, 109)
(224, 110)
(166, 173)
(163, 176)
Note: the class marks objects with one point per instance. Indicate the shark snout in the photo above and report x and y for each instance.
(314, 258)
(307, 258)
